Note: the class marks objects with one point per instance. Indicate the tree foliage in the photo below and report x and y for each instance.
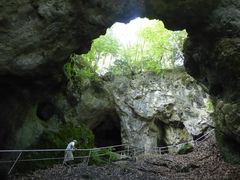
(80, 72)
(162, 45)
(103, 47)
(156, 48)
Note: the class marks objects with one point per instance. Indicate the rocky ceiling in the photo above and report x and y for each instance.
(37, 37)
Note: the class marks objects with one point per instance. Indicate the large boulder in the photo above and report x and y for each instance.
(156, 110)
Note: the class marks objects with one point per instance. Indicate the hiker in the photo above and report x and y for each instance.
(69, 152)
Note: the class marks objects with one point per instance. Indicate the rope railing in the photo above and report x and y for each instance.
(126, 150)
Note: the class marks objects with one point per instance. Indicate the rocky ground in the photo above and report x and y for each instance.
(203, 163)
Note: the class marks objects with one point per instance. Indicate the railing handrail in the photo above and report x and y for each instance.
(129, 148)
(59, 150)
(99, 148)
(205, 136)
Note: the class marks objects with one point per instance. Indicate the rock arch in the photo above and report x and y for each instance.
(37, 37)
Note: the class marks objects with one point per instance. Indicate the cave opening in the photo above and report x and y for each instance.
(162, 129)
(45, 110)
(108, 131)
(141, 46)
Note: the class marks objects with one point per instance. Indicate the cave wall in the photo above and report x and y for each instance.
(36, 38)
(215, 61)
(25, 104)
(212, 56)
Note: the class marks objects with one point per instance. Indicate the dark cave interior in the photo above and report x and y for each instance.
(108, 131)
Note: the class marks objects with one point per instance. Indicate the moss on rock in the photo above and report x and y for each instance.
(186, 148)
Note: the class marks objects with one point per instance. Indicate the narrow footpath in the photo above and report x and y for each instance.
(204, 163)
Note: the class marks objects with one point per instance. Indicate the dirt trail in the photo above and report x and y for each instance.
(204, 163)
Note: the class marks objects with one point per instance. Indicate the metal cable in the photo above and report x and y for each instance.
(133, 148)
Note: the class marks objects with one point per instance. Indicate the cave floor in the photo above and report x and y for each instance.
(205, 162)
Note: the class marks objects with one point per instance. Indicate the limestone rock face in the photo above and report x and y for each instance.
(92, 109)
(153, 109)
(146, 110)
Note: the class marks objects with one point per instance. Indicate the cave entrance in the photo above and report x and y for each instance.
(108, 131)
(141, 46)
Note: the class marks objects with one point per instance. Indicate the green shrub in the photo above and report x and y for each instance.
(103, 156)
(79, 72)
(186, 148)
(210, 106)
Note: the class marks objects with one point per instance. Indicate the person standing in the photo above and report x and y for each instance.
(69, 152)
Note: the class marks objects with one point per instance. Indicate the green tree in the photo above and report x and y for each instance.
(156, 48)
(163, 46)
(103, 47)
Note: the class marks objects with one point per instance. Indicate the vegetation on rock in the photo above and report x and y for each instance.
(103, 156)
(79, 72)
(186, 148)
(210, 106)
